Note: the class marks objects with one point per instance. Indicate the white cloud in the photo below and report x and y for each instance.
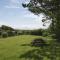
(26, 1)
(14, 1)
(13, 4)
(30, 15)
(30, 26)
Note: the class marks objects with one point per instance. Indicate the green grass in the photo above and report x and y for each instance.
(11, 48)
(18, 48)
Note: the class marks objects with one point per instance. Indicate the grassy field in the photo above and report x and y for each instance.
(18, 48)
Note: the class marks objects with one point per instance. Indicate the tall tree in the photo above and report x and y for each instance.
(51, 10)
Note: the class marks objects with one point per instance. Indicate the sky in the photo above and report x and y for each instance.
(13, 14)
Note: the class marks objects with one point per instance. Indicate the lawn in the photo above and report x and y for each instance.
(18, 48)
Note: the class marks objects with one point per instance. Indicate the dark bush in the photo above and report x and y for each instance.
(39, 42)
(0, 33)
(12, 33)
(9, 33)
(19, 33)
(4, 34)
(37, 32)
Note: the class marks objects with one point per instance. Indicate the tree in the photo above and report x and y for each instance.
(6, 28)
(51, 10)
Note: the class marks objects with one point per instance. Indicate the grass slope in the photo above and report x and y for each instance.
(18, 48)
(12, 47)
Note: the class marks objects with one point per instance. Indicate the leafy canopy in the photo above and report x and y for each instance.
(51, 10)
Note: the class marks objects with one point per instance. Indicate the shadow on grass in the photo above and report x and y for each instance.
(39, 46)
(26, 45)
(50, 52)
(39, 42)
(35, 54)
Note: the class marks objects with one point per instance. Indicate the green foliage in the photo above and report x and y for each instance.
(4, 34)
(32, 32)
(45, 34)
(0, 33)
(11, 33)
(6, 31)
(37, 32)
(6, 28)
(51, 10)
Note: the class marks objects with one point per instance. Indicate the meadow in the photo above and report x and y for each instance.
(19, 48)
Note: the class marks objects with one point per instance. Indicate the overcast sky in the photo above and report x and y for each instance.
(13, 14)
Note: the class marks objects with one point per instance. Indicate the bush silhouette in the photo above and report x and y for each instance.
(39, 42)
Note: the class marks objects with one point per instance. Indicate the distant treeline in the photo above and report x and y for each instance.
(39, 32)
(6, 31)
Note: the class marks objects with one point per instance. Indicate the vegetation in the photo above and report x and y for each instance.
(40, 42)
(33, 44)
(6, 31)
(12, 48)
(29, 45)
(51, 11)
(19, 48)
